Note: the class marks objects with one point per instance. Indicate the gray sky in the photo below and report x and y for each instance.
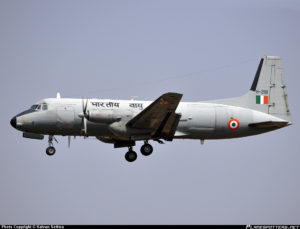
(116, 49)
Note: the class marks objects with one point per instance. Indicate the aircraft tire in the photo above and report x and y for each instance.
(130, 156)
(50, 151)
(146, 149)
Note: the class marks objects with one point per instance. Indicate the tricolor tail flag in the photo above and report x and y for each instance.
(262, 99)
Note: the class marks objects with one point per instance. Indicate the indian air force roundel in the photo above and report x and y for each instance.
(233, 124)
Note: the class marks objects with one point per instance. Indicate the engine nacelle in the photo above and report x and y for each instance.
(120, 129)
(102, 116)
(106, 139)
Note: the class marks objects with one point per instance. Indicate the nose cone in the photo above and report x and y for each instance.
(13, 122)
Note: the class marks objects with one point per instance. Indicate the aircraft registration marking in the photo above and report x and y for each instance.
(262, 92)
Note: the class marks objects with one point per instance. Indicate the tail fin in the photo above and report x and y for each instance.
(268, 91)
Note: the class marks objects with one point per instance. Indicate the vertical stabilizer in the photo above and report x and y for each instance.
(268, 91)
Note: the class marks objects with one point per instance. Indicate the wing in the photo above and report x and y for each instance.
(159, 117)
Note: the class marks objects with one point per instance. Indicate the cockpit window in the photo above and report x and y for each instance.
(45, 107)
(33, 107)
(37, 107)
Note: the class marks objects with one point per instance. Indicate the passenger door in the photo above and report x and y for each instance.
(65, 117)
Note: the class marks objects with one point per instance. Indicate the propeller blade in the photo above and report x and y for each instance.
(84, 117)
(69, 141)
(85, 107)
(85, 126)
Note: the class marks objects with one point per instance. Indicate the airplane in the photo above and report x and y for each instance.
(123, 122)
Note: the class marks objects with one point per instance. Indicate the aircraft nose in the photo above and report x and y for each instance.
(13, 122)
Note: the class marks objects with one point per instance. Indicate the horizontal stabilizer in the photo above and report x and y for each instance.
(269, 124)
(179, 134)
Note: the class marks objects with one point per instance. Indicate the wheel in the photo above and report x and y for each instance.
(50, 151)
(146, 149)
(131, 156)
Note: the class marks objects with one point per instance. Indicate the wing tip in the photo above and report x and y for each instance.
(173, 94)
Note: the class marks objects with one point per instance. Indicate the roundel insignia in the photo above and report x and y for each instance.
(163, 102)
(233, 124)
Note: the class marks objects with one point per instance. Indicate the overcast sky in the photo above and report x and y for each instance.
(117, 49)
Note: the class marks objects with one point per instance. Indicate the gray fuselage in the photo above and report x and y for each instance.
(199, 120)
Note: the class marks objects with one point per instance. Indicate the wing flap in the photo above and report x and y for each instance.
(168, 127)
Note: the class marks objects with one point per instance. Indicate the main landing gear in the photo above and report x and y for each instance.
(50, 151)
(146, 150)
(131, 155)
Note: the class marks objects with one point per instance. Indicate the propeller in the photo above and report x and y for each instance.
(84, 116)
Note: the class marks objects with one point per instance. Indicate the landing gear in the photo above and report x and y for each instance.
(50, 151)
(130, 156)
(146, 149)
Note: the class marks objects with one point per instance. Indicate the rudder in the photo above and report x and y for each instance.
(269, 89)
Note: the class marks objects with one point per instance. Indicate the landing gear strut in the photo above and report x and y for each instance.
(130, 156)
(50, 150)
(146, 149)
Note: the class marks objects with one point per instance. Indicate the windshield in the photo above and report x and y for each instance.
(41, 106)
(33, 107)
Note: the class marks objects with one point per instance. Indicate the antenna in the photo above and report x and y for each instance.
(133, 97)
(58, 95)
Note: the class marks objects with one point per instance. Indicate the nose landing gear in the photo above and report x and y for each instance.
(50, 151)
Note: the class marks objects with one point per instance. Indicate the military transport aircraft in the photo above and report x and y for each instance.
(123, 122)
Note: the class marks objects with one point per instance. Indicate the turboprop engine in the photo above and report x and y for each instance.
(104, 116)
